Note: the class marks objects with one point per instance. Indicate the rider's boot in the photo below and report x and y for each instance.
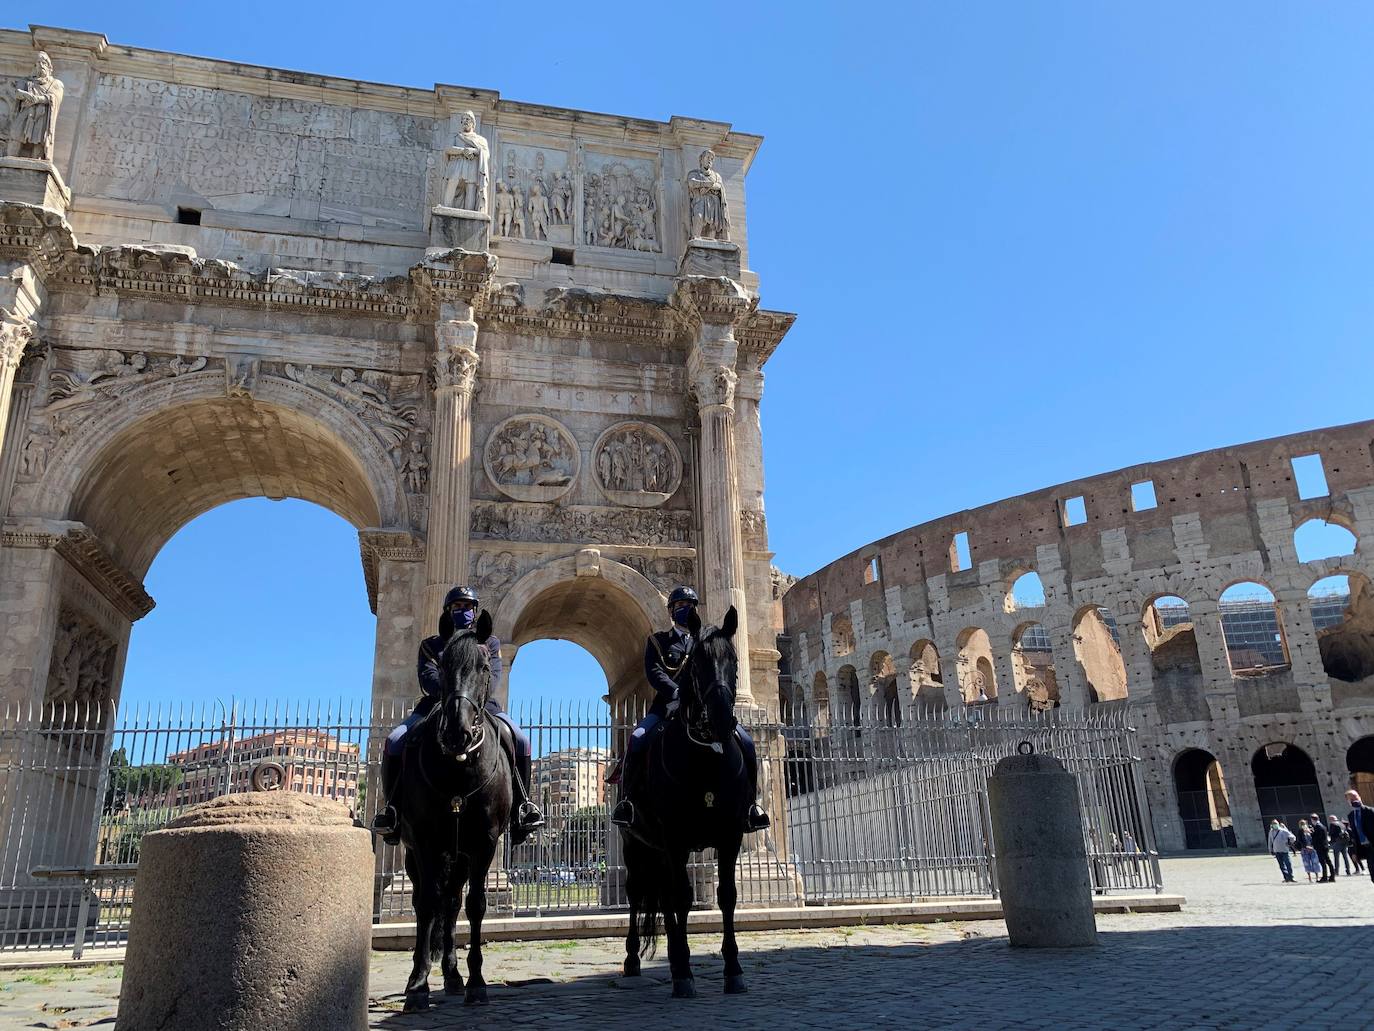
(755, 819)
(623, 815)
(527, 818)
(387, 822)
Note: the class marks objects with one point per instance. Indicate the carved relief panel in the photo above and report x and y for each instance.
(636, 464)
(82, 666)
(534, 194)
(532, 458)
(621, 203)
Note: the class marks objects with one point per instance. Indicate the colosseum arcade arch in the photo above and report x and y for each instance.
(1286, 784)
(594, 601)
(1204, 803)
(116, 489)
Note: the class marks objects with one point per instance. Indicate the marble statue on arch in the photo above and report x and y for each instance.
(34, 114)
(708, 212)
(467, 168)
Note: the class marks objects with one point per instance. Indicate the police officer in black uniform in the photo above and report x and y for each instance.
(665, 655)
(459, 613)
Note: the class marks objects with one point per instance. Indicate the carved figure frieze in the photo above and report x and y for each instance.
(557, 524)
(620, 203)
(533, 198)
(241, 375)
(493, 571)
(82, 663)
(532, 458)
(29, 120)
(466, 168)
(753, 528)
(415, 464)
(33, 458)
(708, 215)
(663, 571)
(636, 464)
(388, 403)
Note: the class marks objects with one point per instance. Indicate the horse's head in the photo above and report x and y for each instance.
(466, 670)
(710, 686)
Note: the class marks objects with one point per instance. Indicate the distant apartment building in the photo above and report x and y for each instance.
(315, 763)
(571, 779)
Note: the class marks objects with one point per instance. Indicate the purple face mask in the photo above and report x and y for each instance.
(463, 618)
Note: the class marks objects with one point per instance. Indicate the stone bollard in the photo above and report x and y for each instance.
(252, 911)
(1042, 865)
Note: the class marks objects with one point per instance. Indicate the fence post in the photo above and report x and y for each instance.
(1042, 866)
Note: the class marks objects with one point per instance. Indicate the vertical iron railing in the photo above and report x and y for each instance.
(867, 806)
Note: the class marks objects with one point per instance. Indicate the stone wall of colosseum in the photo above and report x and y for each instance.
(904, 616)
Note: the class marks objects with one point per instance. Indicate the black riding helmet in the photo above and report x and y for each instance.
(460, 593)
(683, 593)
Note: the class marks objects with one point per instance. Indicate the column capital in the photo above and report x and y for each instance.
(714, 386)
(455, 277)
(16, 333)
(455, 355)
(706, 301)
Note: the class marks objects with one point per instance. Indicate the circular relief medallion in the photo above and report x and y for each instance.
(636, 464)
(531, 458)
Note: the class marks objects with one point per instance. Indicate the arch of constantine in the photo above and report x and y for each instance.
(1179, 588)
(513, 345)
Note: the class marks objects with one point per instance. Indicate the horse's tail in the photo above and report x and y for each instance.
(648, 921)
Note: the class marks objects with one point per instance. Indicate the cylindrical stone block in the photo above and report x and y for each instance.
(1042, 864)
(252, 911)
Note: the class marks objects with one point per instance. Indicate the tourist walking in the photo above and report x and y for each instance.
(1362, 830)
(1310, 865)
(1340, 844)
(1321, 844)
(1281, 847)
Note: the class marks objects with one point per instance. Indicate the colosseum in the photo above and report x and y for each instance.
(1220, 596)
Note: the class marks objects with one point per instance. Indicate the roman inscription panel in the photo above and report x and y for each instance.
(167, 143)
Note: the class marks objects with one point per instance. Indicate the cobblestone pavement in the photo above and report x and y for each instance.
(1247, 952)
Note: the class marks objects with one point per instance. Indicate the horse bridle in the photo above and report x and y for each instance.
(698, 732)
(480, 735)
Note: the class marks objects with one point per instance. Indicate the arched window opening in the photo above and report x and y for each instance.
(1097, 647)
(882, 679)
(1359, 760)
(1286, 784)
(1204, 805)
(842, 636)
(1027, 592)
(1317, 539)
(784, 707)
(1252, 629)
(927, 682)
(851, 700)
(1171, 636)
(1168, 629)
(977, 681)
(820, 699)
(1343, 615)
(1032, 667)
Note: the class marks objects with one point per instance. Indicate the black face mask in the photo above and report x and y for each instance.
(681, 615)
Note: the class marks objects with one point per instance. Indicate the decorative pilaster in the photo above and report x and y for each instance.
(15, 334)
(450, 460)
(714, 306)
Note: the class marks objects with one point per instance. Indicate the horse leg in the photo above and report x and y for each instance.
(725, 897)
(477, 909)
(453, 899)
(678, 902)
(634, 891)
(424, 874)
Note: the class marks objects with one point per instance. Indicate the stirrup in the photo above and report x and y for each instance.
(756, 819)
(623, 815)
(387, 823)
(528, 816)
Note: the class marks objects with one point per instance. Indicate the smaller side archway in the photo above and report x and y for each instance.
(1286, 784)
(1204, 804)
(1032, 667)
(1252, 629)
(977, 679)
(1097, 646)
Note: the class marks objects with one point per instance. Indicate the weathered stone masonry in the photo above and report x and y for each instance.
(914, 627)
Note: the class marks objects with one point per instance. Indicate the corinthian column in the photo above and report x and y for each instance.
(15, 334)
(450, 459)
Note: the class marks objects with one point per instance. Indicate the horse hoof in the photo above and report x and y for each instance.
(734, 985)
(416, 1002)
(632, 967)
(684, 988)
(453, 986)
(476, 996)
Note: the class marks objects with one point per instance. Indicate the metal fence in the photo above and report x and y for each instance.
(877, 805)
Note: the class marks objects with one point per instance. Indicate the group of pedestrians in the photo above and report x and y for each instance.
(1323, 846)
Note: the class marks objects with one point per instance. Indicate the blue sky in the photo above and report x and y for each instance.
(1027, 243)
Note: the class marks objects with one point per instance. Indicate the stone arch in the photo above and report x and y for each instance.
(927, 679)
(849, 694)
(1342, 607)
(1097, 647)
(168, 451)
(1032, 666)
(1204, 803)
(1285, 783)
(1359, 760)
(842, 636)
(1167, 625)
(1318, 538)
(610, 614)
(1026, 591)
(977, 677)
(1252, 627)
(820, 698)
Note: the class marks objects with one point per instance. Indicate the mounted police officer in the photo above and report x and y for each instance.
(459, 613)
(665, 660)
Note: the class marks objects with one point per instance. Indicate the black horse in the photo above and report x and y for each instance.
(455, 804)
(694, 793)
